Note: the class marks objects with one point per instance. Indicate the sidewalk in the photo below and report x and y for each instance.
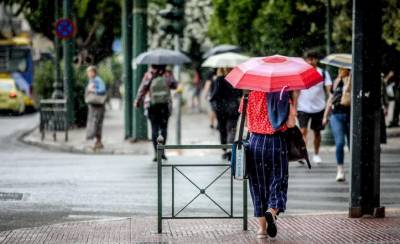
(329, 228)
(195, 130)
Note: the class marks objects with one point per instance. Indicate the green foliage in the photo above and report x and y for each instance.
(98, 22)
(291, 26)
(44, 79)
(269, 27)
(79, 101)
(391, 23)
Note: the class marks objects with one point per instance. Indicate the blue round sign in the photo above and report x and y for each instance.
(65, 28)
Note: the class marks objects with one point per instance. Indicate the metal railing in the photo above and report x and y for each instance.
(53, 117)
(175, 168)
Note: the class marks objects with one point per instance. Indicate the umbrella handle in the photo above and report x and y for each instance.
(282, 90)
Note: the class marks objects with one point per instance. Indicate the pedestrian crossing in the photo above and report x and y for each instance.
(312, 190)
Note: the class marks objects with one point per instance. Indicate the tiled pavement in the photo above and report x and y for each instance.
(329, 228)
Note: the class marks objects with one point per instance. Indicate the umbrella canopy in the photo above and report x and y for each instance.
(223, 60)
(221, 49)
(340, 60)
(161, 57)
(274, 73)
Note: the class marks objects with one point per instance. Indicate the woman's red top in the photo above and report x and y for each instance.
(257, 114)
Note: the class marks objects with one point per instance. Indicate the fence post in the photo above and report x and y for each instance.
(245, 204)
(160, 141)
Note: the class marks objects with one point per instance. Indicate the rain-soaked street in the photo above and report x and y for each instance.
(40, 187)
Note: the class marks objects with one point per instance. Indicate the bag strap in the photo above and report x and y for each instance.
(243, 116)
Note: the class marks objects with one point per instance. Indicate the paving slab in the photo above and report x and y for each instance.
(322, 228)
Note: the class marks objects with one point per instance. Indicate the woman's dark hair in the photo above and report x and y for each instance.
(311, 55)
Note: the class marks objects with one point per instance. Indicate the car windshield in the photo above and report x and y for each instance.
(5, 86)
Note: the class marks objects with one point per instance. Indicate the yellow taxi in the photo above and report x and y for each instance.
(11, 98)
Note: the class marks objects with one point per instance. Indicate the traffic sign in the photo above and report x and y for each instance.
(65, 28)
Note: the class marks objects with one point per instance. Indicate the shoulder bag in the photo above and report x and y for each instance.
(240, 148)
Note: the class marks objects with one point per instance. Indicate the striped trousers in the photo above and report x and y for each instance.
(268, 172)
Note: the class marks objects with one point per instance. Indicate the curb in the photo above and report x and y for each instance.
(51, 146)
(57, 147)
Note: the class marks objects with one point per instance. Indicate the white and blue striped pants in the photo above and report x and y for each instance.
(268, 172)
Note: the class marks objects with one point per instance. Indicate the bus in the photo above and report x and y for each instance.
(16, 66)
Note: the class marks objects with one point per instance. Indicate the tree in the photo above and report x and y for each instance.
(269, 27)
(98, 23)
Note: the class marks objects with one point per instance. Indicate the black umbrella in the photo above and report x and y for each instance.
(221, 49)
(161, 57)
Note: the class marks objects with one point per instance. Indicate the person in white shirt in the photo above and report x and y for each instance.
(311, 105)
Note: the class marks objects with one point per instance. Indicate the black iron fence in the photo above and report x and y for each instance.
(53, 117)
(176, 169)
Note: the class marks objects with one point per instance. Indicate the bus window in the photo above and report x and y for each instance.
(18, 60)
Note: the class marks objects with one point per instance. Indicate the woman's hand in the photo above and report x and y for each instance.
(325, 121)
(91, 87)
(136, 104)
(291, 122)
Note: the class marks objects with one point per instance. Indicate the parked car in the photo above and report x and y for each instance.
(11, 98)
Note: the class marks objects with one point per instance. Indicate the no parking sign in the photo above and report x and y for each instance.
(65, 29)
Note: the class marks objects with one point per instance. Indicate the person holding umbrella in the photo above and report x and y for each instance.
(337, 111)
(223, 97)
(154, 91)
(225, 102)
(270, 111)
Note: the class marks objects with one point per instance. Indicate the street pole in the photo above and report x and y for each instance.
(57, 85)
(328, 27)
(365, 114)
(139, 46)
(127, 31)
(68, 69)
(177, 74)
(327, 136)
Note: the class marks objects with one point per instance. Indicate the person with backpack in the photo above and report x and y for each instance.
(311, 105)
(339, 105)
(225, 102)
(155, 93)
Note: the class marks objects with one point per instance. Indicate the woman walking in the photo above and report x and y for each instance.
(339, 105)
(268, 161)
(225, 102)
(155, 93)
(95, 89)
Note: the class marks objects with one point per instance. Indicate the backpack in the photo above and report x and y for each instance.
(159, 91)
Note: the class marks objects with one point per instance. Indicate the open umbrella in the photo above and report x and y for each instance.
(161, 57)
(222, 60)
(340, 60)
(274, 73)
(221, 49)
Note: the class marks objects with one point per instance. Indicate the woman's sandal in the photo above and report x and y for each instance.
(271, 225)
(261, 234)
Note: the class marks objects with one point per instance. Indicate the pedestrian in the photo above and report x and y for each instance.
(311, 105)
(208, 87)
(338, 106)
(225, 101)
(393, 82)
(197, 87)
(155, 93)
(268, 160)
(95, 95)
(384, 110)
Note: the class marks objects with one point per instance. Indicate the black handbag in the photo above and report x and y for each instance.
(297, 150)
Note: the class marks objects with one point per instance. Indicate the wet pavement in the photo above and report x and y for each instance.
(39, 188)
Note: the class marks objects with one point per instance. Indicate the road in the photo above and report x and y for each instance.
(39, 187)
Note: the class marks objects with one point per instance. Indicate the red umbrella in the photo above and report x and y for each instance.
(274, 73)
